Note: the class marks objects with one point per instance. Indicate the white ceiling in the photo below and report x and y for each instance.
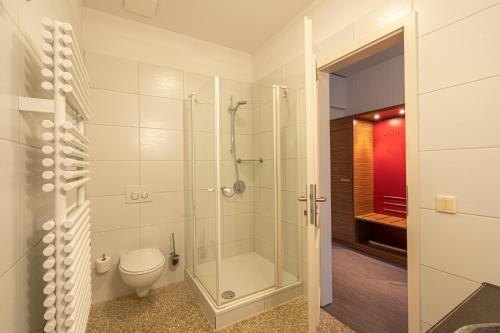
(239, 24)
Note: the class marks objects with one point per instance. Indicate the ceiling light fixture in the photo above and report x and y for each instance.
(401, 111)
(376, 116)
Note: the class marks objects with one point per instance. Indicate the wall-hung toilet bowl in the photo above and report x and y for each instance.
(140, 269)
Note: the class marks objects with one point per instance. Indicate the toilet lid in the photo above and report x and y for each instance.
(142, 260)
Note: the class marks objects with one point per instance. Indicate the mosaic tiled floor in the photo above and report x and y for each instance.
(174, 309)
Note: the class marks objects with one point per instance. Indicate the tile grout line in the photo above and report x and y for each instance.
(462, 213)
(458, 20)
(459, 149)
(449, 273)
(458, 84)
(20, 258)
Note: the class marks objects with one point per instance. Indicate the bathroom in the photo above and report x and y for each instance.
(195, 134)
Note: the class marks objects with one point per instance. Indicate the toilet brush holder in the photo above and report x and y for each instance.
(174, 257)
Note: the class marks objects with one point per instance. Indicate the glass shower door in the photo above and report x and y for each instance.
(243, 162)
(247, 216)
(287, 104)
(205, 187)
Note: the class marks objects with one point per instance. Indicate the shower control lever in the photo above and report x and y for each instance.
(302, 198)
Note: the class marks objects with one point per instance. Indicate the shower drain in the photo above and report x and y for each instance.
(228, 294)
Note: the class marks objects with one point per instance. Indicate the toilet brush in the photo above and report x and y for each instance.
(174, 256)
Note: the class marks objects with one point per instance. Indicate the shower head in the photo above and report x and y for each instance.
(238, 104)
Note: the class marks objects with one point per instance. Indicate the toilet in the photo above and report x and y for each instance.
(140, 269)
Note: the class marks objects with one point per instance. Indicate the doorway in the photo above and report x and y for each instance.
(369, 187)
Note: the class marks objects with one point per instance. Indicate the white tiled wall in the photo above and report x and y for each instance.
(458, 77)
(458, 112)
(120, 37)
(137, 138)
(238, 212)
(146, 144)
(24, 207)
(463, 155)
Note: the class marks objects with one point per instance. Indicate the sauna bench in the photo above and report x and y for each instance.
(391, 221)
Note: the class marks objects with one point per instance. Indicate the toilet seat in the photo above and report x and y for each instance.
(141, 261)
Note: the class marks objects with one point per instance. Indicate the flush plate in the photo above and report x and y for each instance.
(138, 193)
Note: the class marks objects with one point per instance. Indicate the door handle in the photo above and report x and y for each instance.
(303, 199)
(312, 207)
(345, 180)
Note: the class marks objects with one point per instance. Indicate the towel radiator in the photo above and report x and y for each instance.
(66, 251)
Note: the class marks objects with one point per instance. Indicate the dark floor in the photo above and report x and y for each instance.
(369, 295)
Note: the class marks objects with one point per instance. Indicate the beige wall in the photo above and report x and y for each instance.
(138, 133)
(141, 78)
(459, 141)
(112, 35)
(137, 138)
(24, 206)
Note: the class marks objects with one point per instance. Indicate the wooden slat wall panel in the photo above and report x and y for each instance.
(341, 152)
(363, 167)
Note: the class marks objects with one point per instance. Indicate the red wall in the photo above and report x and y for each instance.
(389, 166)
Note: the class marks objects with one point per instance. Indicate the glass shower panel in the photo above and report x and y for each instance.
(205, 187)
(188, 183)
(247, 217)
(288, 171)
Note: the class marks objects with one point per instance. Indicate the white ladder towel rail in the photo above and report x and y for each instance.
(66, 164)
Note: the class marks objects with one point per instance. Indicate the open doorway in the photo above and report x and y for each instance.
(368, 190)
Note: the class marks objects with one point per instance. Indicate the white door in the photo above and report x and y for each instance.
(313, 198)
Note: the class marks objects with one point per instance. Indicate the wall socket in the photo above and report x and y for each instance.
(138, 193)
(446, 204)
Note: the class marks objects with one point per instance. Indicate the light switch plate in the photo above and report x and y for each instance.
(138, 193)
(446, 204)
(451, 205)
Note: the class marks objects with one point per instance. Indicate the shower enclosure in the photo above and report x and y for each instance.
(242, 180)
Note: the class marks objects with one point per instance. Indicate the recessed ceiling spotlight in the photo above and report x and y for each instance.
(376, 116)
(401, 111)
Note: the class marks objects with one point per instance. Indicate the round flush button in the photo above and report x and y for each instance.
(144, 195)
(134, 195)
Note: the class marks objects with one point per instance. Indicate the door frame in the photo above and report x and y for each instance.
(405, 27)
